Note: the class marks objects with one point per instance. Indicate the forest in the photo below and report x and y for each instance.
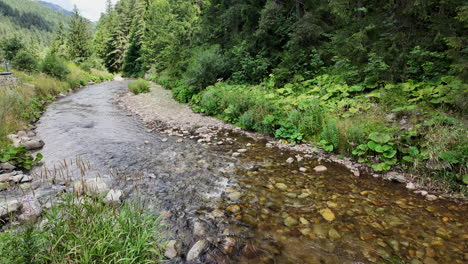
(383, 82)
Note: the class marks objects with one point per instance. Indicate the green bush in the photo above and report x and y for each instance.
(330, 136)
(25, 61)
(11, 47)
(55, 66)
(19, 157)
(206, 67)
(88, 231)
(139, 86)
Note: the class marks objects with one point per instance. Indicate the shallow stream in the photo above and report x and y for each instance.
(255, 208)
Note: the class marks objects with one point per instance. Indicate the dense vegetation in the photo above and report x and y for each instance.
(44, 73)
(30, 20)
(383, 82)
(86, 231)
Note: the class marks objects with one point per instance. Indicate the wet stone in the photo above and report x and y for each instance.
(290, 221)
(281, 186)
(320, 168)
(196, 250)
(233, 208)
(172, 249)
(234, 196)
(327, 214)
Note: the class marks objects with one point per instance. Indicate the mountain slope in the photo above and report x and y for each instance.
(56, 8)
(30, 20)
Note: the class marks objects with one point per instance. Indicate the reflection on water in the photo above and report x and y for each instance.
(271, 211)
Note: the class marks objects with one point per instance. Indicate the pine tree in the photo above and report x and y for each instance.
(59, 44)
(79, 37)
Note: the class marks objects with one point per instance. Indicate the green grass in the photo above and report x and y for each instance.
(139, 86)
(85, 232)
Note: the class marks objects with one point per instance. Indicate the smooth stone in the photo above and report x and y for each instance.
(9, 207)
(199, 229)
(31, 208)
(236, 154)
(303, 195)
(303, 221)
(233, 208)
(147, 142)
(327, 214)
(290, 160)
(164, 140)
(430, 261)
(431, 197)
(34, 144)
(172, 249)
(7, 166)
(302, 169)
(196, 250)
(4, 186)
(320, 168)
(241, 150)
(333, 234)
(291, 195)
(395, 176)
(180, 140)
(113, 196)
(410, 186)
(281, 186)
(290, 221)
(234, 196)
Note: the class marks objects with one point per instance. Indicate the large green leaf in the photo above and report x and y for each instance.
(381, 138)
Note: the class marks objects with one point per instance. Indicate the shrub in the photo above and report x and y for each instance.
(88, 231)
(11, 46)
(206, 67)
(55, 66)
(139, 86)
(330, 136)
(92, 63)
(25, 61)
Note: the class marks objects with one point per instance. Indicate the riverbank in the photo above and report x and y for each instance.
(158, 111)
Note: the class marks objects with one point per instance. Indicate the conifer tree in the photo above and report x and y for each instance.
(79, 37)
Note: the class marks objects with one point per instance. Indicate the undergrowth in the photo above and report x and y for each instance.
(86, 231)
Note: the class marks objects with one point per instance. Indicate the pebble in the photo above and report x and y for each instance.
(303, 195)
(196, 250)
(172, 249)
(327, 214)
(281, 186)
(410, 186)
(242, 150)
(302, 169)
(199, 229)
(234, 196)
(304, 221)
(147, 142)
(164, 140)
(233, 208)
(333, 234)
(290, 160)
(180, 140)
(431, 197)
(320, 168)
(236, 154)
(290, 221)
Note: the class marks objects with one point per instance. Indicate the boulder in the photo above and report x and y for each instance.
(31, 208)
(9, 207)
(33, 144)
(196, 250)
(96, 186)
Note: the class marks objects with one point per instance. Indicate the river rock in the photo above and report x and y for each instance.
(196, 250)
(7, 166)
(290, 221)
(95, 186)
(241, 150)
(164, 140)
(281, 186)
(431, 197)
(33, 144)
(199, 229)
(233, 208)
(4, 186)
(15, 140)
(327, 214)
(290, 160)
(395, 176)
(234, 196)
(21, 178)
(172, 249)
(9, 207)
(31, 208)
(113, 196)
(229, 245)
(410, 186)
(302, 169)
(304, 221)
(236, 154)
(320, 168)
(333, 234)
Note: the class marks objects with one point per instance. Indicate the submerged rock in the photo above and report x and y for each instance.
(196, 250)
(172, 249)
(327, 214)
(290, 221)
(234, 196)
(290, 160)
(281, 186)
(199, 229)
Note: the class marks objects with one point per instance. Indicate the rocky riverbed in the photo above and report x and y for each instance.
(230, 196)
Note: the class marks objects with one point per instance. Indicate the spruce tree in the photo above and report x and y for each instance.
(79, 37)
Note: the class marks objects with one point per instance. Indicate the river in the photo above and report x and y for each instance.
(255, 208)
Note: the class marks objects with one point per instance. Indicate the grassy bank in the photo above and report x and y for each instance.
(86, 231)
(23, 103)
(417, 126)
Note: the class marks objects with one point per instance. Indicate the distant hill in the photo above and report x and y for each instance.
(56, 7)
(31, 20)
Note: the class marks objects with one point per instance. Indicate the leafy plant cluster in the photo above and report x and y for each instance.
(19, 157)
(139, 86)
(88, 231)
